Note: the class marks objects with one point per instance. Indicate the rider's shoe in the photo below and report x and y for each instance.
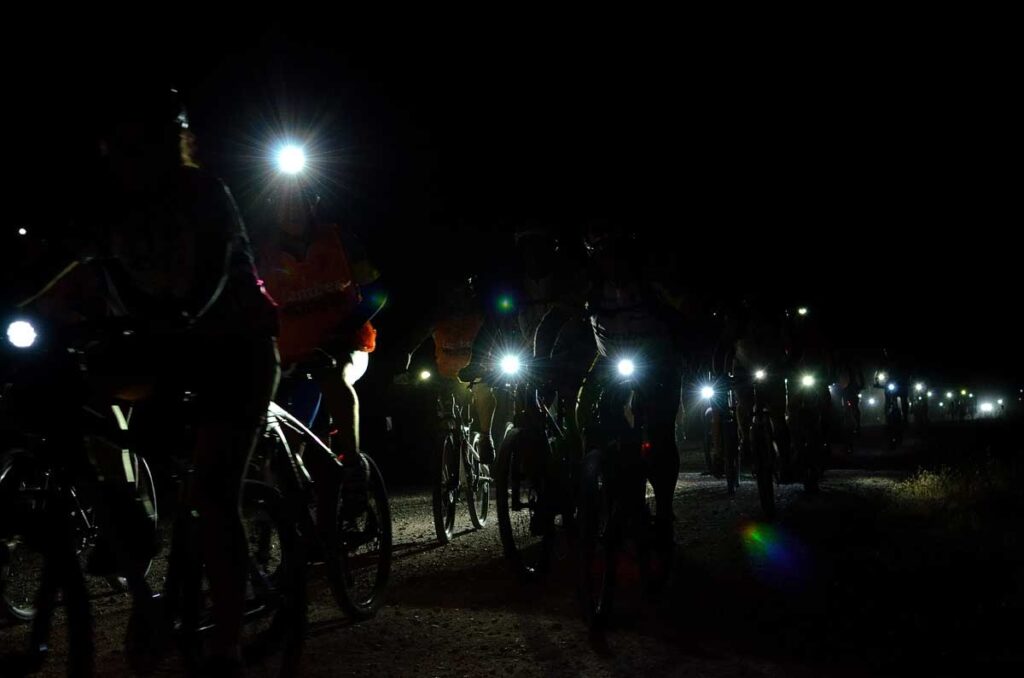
(327, 482)
(355, 487)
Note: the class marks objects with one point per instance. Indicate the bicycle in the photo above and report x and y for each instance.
(764, 442)
(808, 404)
(24, 477)
(850, 420)
(459, 470)
(534, 478)
(616, 506)
(358, 554)
(720, 427)
(281, 529)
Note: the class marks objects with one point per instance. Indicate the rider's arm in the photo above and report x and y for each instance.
(225, 247)
(36, 279)
(373, 295)
(572, 289)
(550, 326)
(417, 335)
(364, 273)
(21, 297)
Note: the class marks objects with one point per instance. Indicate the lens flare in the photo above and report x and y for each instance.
(291, 159)
(773, 553)
(510, 364)
(21, 334)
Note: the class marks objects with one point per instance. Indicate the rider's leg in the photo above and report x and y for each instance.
(712, 439)
(485, 403)
(744, 414)
(574, 352)
(343, 404)
(826, 422)
(586, 404)
(905, 406)
(237, 384)
(664, 455)
(775, 397)
(854, 402)
(568, 396)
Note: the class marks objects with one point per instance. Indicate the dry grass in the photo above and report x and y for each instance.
(968, 487)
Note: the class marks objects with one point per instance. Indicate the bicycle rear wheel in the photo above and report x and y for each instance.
(364, 551)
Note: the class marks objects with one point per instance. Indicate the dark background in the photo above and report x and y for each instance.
(872, 176)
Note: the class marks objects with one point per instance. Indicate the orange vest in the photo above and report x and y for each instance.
(453, 342)
(314, 295)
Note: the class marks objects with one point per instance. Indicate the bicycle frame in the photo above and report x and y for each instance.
(621, 441)
(457, 422)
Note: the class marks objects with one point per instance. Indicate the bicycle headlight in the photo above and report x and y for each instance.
(21, 334)
(510, 364)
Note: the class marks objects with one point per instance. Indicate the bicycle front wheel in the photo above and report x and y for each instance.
(446, 489)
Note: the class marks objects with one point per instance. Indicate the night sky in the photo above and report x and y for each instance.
(875, 179)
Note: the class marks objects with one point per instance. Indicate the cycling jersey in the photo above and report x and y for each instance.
(453, 342)
(315, 294)
(627, 318)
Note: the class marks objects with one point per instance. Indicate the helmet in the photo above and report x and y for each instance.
(151, 107)
(141, 130)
